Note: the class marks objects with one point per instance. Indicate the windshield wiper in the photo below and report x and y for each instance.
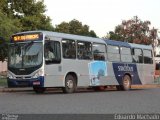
(28, 45)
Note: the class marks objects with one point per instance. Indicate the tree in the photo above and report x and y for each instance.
(134, 31)
(111, 35)
(75, 27)
(7, 28)
(5, 8)
(21, 15)
(63, 27)
(3, 52)
(31, 14)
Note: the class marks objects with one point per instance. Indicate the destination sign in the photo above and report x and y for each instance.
(26, 37)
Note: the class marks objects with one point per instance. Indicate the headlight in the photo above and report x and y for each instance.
(40, 72)
(10, 75)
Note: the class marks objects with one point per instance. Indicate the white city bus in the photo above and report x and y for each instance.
(44, 59)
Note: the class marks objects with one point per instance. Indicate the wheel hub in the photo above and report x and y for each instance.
(70, 84)
(126, 83)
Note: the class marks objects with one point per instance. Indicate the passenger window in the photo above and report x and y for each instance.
(69, 49)
(147, 56)
(52, 52)
(126, 54)
(113, 53)
(99, 51)
(137, 55)
(84, 50)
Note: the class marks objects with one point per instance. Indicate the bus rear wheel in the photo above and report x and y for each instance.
(70, 84)
(126, 83)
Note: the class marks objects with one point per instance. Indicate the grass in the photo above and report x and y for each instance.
(3, 81)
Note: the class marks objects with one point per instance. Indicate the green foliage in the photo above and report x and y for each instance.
(92, 33)
(3, 52)
(114, 36)
(4, 8)
(21, 15)
(28, 7)
(75, 27)
(36, 23)
(7, 28)
(63, 27)
(31, 15)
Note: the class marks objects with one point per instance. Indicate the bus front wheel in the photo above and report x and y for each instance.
(70, 84)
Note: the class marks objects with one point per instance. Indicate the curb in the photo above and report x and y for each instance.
(145, 86)
(5, 89)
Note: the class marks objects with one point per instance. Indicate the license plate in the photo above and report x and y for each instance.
(36, 83)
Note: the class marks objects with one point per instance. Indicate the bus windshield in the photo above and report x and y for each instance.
(25, 55)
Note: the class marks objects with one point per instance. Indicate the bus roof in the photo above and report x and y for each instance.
(91, 39)
(117, 43)
(67, 36)
(126, 44)
(140, 46)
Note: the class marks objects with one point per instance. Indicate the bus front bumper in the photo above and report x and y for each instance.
(26, 82)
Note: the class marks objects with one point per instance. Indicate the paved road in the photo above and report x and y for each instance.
(88, 102)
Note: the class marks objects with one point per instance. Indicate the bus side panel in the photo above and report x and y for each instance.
(110, 79)
(99, 73)
(53, 75)
(120, 69)
(139, 73)
(148, 70)
(83, 70)
(146, 73)
(80, 68)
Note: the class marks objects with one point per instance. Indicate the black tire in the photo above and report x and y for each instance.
(39, 90)
(126, 83)
(70, 84)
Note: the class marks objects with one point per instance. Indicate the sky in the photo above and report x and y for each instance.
(103, 15)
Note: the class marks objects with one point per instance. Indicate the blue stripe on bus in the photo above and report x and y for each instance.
(120, 69)
(26, 82)
(41, 80)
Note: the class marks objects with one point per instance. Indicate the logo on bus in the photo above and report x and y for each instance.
(125, 68)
